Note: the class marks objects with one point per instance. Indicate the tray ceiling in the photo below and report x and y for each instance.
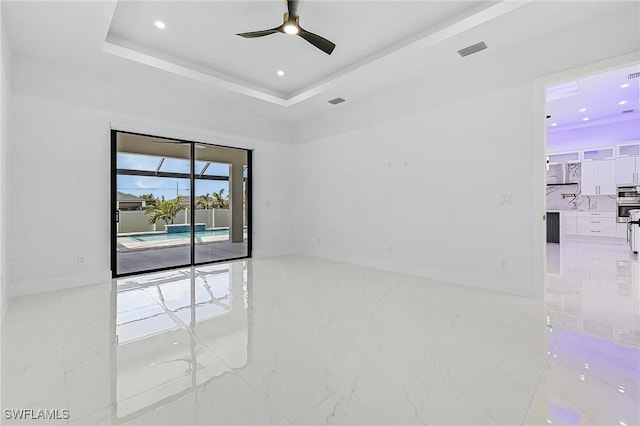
(200, 41)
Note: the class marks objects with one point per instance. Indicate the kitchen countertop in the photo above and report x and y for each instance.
(574, 210)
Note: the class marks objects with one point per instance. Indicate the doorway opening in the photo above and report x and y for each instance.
(177, 203)
(591, 275)
(592, 136)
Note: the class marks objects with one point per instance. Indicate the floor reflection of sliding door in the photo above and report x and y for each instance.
(220, 203)
(159, 191)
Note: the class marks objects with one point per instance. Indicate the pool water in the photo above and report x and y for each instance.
(180, 235)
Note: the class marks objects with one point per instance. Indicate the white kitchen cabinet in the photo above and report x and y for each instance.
(569, 223)
(589, 178)
(621, 230)
(628, 149)
(607, 153)
(596, 224)
(628, 170)
(598, 177)
(607, 177)
(563, 157)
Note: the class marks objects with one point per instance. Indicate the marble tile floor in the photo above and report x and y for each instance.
(296, 340)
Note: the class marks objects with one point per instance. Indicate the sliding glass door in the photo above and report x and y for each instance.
(220, 203)
(176, 203)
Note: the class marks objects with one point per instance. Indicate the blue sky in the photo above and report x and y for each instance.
(167, 187)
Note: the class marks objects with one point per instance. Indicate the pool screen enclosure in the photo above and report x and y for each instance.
(177, 203)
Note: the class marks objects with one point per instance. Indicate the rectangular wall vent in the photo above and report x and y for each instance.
(472, 49)
(336, 101)
(634, 75)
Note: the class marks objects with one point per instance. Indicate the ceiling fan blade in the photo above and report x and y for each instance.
(254, 34)
(294, 8)
(320, 42)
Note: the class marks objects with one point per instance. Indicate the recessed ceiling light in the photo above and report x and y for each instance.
(622, 102)
(585, 119)
(583, 109)
(554, 124)
(160, 24)
(280, 73)
(624, 86)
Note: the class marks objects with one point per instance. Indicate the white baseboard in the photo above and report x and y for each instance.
(5, 307)
(6, 297)
(271, 252)
(502, 285)
(59, 283)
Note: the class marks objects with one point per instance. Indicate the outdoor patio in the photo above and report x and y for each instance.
(131, 261)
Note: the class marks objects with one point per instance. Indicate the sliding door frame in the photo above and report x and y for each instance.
(192, 179)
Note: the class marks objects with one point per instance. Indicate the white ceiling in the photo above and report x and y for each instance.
(116, 41)
(202, 35)
(599, 95)
(200, 39)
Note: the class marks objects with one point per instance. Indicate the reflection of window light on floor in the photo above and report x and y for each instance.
(156, 303)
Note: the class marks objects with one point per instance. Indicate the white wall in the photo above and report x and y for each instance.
(440, 194)
(60, 163)
(5, 121)
(456, 143)
(467, 137)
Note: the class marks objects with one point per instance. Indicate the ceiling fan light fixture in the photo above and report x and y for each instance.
(291, 29)
(291, 25)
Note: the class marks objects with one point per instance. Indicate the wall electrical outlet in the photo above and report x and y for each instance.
(504, 264)
(81, 260)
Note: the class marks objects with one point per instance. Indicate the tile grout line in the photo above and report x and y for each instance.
(544, 369)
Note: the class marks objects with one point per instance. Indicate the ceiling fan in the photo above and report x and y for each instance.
(291, 25)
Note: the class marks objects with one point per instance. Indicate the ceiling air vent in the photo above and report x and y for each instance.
(634, 75)
(627, 111)
(336, 101)
(472, 49)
